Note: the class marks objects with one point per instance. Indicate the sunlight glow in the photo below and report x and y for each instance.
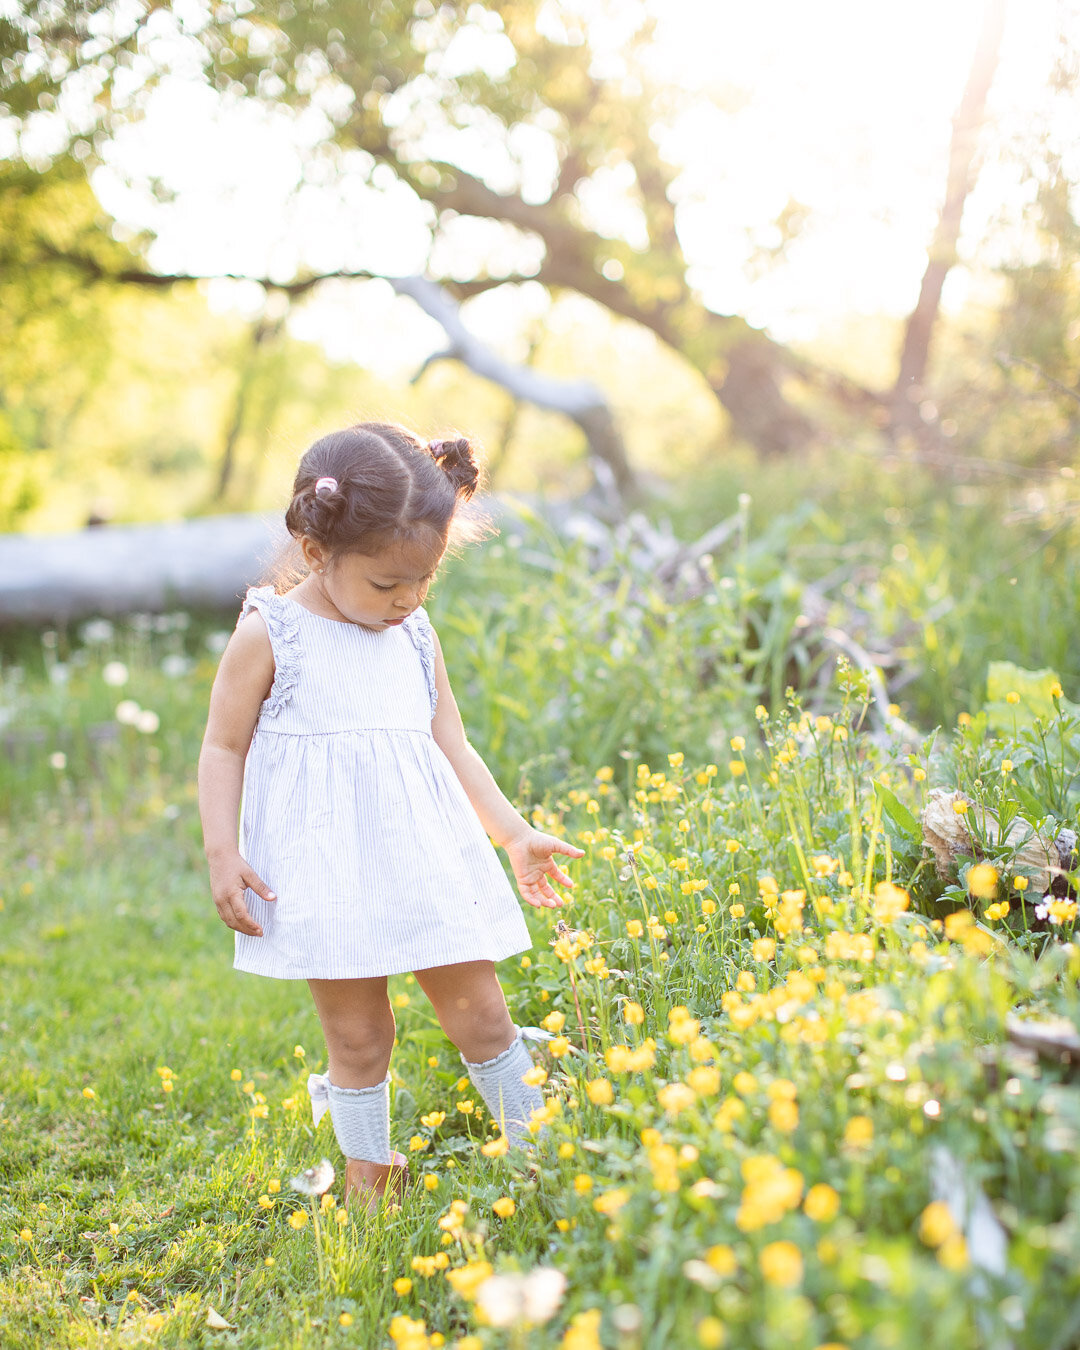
(843, 108)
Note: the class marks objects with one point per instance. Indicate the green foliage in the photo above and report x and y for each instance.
(764, 1042)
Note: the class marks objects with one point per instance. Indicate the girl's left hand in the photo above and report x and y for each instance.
(530, 855)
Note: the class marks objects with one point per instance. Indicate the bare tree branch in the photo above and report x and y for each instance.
(580, 400)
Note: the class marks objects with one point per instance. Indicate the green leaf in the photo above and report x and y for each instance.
(897, 813)
(1033, 686)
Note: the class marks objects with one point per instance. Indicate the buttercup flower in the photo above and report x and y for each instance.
(781, 1263)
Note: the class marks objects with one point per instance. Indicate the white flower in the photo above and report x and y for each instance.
(544, 1288)
(216, 642)
(58, 760)
(532, 1298)
(97, 631)
(147, 722)
(500, 1299)
(128, 712)
(58, 673)
(315, 1180)
(175, 665)
(1042, 909)
(115, 673)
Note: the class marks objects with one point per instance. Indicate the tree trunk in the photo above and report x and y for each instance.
(907, 392)
(750, 391)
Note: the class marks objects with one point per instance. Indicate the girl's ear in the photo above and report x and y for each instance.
(315, 555)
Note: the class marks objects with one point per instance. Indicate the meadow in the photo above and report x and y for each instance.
(786, 1106)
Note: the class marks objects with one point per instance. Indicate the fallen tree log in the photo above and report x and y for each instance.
(122, 569)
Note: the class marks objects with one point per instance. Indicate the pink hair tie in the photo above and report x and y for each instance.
(329, 484)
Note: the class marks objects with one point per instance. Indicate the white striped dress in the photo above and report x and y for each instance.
(353, 815)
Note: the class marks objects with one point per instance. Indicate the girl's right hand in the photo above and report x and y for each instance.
(230, 877)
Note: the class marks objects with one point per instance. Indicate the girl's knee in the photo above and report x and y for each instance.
(359, 1048)
(480, 1028)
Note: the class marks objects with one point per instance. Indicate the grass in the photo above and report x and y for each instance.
(773, 1031)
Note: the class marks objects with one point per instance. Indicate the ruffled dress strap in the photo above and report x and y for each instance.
(283, 625)
(418, 627)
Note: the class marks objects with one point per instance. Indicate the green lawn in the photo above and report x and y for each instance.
(768, 1053)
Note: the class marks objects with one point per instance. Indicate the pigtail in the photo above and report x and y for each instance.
(457, 459)
(316, 509)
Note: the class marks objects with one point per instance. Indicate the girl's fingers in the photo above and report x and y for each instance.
(256, 883)
(234, 914)
(571, 850)
(244, 922)
(553, 869)
(539, 895)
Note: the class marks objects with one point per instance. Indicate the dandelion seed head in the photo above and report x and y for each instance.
(314, 1180)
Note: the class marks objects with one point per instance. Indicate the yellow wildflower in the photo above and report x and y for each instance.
(982, 880)
(722, 1259)
(676, 1097)
(822, 1203)
(859, 1132)
(889, 901)
(467, 1279)
(936, 1223)
(781, 1263)
(611, 1201)
(583, 1333)
(705, 1080)
(784, 1116)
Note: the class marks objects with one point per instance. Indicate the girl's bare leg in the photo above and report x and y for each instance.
(472, 1010)
(469, 1003)
(358, 1024)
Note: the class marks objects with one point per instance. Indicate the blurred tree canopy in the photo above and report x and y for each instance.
(491, 114)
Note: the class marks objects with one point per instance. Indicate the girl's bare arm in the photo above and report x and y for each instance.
(243, 681)
(529, 850)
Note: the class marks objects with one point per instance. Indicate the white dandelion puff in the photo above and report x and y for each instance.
(316, 1180)
(532, 1299)
(97, 631)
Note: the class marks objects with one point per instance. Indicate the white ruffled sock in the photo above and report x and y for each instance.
(361, 1116)
(510, 1101)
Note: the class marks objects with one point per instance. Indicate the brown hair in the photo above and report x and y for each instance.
(387, 486)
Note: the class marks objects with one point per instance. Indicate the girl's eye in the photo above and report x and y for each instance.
(381, 588)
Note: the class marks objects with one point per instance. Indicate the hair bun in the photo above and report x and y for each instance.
(457, 460)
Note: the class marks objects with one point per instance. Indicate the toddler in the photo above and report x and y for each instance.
(363, 846)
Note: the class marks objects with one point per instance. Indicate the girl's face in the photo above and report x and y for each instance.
(378, 591)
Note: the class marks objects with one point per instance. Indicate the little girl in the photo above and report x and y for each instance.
(363, 844)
